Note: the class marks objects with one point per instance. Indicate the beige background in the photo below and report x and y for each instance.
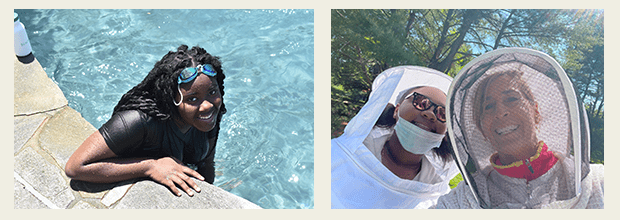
(321, 113)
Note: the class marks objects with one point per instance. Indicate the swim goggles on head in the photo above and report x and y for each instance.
(423, 103)
(190, 73)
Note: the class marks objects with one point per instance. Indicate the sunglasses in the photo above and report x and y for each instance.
(423, 103)
(190, 73)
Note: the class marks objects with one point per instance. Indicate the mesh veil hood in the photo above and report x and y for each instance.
(388, 87)
(562, 126)
(359, 179)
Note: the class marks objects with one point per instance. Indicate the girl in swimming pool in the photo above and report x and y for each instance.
(165, 128)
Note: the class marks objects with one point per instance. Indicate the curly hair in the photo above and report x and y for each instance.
(155, 94)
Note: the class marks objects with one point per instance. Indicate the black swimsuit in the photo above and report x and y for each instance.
(135, 134)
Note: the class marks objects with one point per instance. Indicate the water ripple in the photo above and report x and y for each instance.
(265, 149)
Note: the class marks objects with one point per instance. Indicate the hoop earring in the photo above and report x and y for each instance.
(174, 101)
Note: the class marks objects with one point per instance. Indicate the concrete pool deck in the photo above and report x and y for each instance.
(47, 131)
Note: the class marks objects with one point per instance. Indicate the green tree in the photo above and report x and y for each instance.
(584, 63)
(518, 28)
(366, 42)
(437, 37)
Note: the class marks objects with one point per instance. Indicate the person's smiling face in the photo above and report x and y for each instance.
(507, 118)
(200, 105)
(426, 119)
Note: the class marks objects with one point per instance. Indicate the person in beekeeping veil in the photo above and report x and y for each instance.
(394, 153)
(519, 136)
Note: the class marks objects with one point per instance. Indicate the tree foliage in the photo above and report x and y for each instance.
(366, 42)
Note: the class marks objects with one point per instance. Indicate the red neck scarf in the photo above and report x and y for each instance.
(530, 168)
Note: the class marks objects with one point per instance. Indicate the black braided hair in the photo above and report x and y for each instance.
(155, 94)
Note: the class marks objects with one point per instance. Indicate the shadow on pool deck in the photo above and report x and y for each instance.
(47, 131)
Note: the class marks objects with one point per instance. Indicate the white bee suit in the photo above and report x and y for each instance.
(571, 182)
(359, 179)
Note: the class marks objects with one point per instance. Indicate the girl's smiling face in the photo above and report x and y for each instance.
(426, 119)
(200, 105)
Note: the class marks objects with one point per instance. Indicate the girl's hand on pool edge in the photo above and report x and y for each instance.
(170, 171)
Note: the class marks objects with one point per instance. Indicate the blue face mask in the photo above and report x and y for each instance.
(415, 139)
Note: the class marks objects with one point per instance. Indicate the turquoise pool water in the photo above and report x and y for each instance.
(266, 145)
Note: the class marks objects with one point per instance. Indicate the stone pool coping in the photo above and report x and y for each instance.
(47, 131)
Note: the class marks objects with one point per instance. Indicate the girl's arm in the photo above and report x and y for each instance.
(207, 167)
(93, 161)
